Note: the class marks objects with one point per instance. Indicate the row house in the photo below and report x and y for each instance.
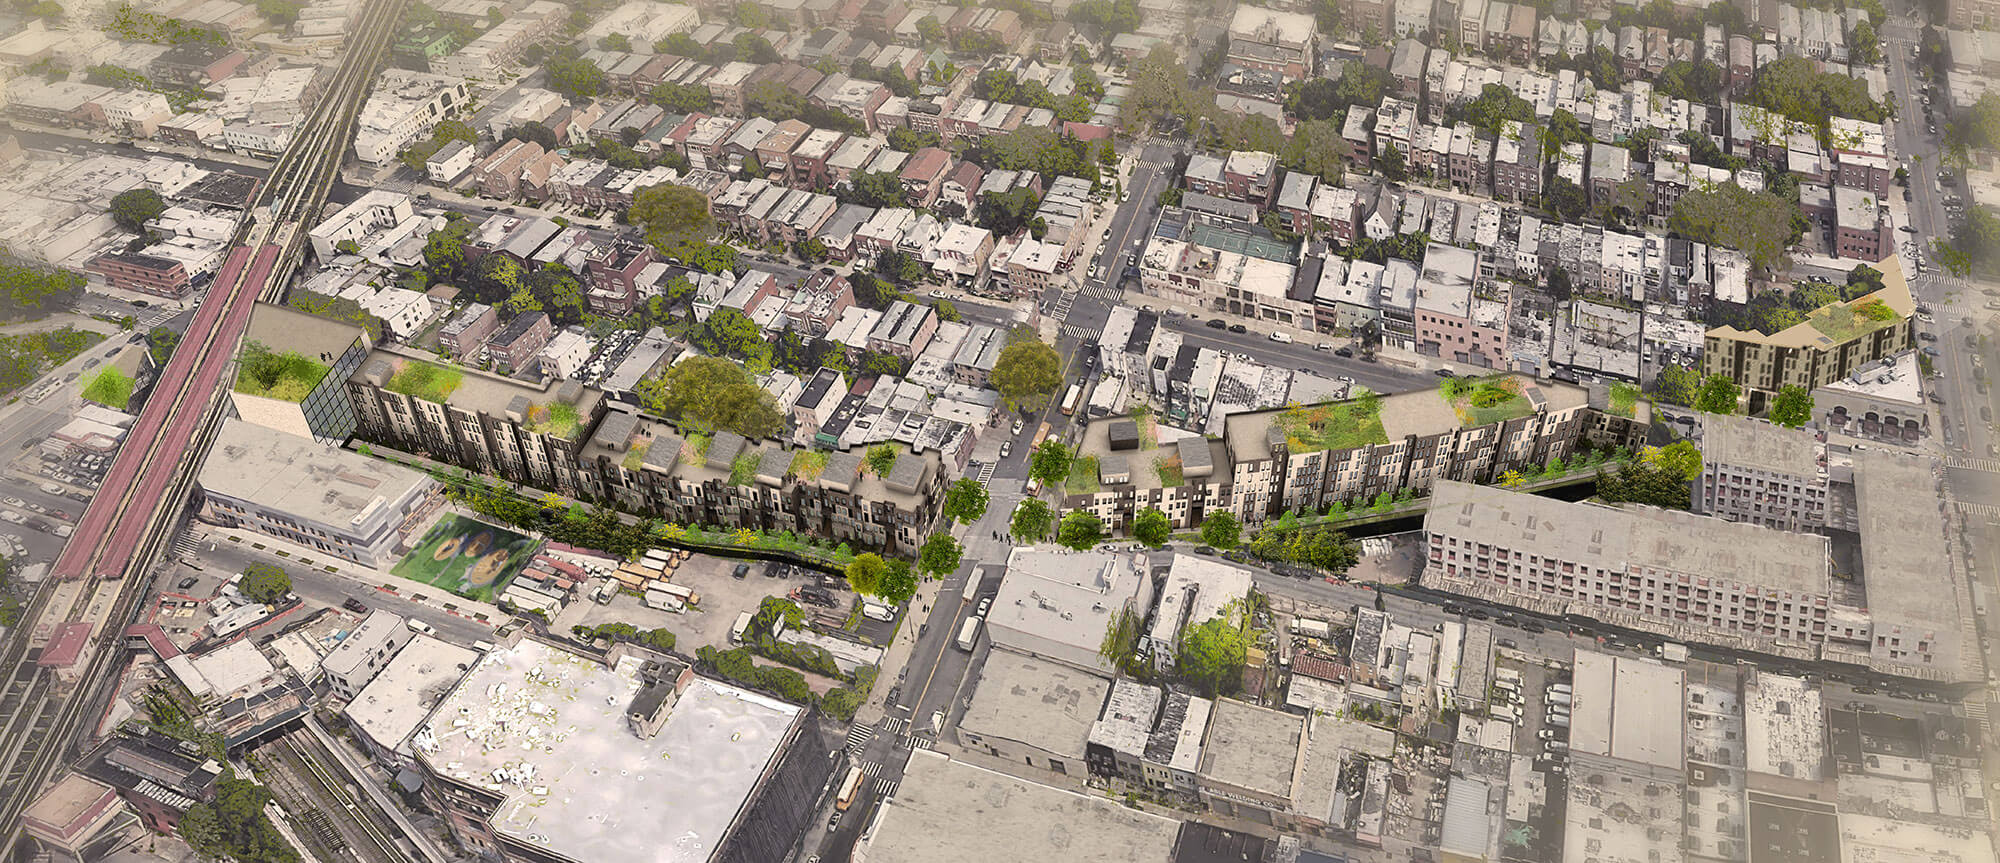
(517, 168)
(817, 303)
(958, 195)
(1003, 23)
(1243, 175)
(1258, 469)
(851, 157)
(923, 176)
(1294, 203)
(974, 119)
(741, 145)
(1517, 163)
(858, 98)
(1610, 167)
(883, 231)
(614, 274)
(700, 138)
(623, 115)
(646, 465)
(482, 422)
(1470, 164)
(1860, 155)
(774, 152)
(839, 233)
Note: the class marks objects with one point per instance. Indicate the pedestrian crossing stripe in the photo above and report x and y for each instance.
(1985, 464)
(1980, 509)
(858, 737)
(911, 741)
(894, 724)
(885, 787)
(1080, 333)
(870, 768)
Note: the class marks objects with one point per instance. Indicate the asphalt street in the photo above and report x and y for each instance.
(211, 560)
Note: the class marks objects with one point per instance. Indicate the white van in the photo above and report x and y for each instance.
(968, 634)
(1281, 338)
(419, 626)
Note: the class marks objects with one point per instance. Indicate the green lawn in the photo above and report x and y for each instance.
(470, 558)
(1484, 401)
(1169, 467)
(110, 388)
(1334, 425)
(559, 419)
(1841, 322)
(286, 376)
(1624, 398)
(421, 380)
(1082, 475)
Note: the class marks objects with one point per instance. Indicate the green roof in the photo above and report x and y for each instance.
(427, 381)
(1334, 425)
(1843, 321)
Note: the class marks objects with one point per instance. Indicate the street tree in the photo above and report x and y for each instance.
(965, 500)
(1222, 530)
(265, 583)
(1080, 530)
(939, 556)
(1027, 373)
(1151, 527)
(1031, 521)
(1793, 407)
(1717, 395)
(1049, 463)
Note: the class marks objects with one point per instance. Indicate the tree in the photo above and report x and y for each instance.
(1717, 395)
(1866, 49)
(939, 556)
(1677, 385)
(616, 42)
(160, 342)
(713, 393)
(1027, 373)
(1637, 482)
(1080, 530)
(1049, 463)
(1496, 105)
(1212, 652)
(132, 209)
(536, 133)
(1221, 529)
(574, 76)
(865, 572)
(1031, 521)
(265, 583)
(881, 458)
(1151, 527)
(1568, 201)
(1680, 458)
(1793, 407)
(899, 583)
(965, 500)
(1759, 224)
(673, 215)
(1391, 163)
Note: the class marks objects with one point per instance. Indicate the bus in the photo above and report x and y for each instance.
(849, 789)
(1071, 398)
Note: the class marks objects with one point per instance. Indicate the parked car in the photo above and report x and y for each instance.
(352, 604)
(1238, 328)
(420, 627)
(1344, 352)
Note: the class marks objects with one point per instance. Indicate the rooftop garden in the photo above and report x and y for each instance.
(808, 464)
(287, 376)
(1483, 401)
(1624, 398)
(635, 458)
(111, 388)
(1170, 470)
(1334, 425)
(1841, 322)
(1082, 475)
(427, 381)
(743, 471)
(559, 419)
(695, 449)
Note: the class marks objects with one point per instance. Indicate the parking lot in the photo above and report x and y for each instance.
(723, 597)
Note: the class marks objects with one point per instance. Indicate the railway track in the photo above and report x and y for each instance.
(342, 824)
(131, 521)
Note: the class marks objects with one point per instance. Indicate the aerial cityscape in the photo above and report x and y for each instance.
(1108, 431)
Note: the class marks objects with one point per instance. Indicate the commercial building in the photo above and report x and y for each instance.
(386, 713)
(1272, 766)
(367, 649)
(544, 755)
(1194, 591)
(78, 819)
(927, 821)
(1832, 343)
(146, 274)
(1057, 605)
(1655, 570)
(1031, 711)
(1625, 760)
(314, 495)
(1760, 473)
(402, 107)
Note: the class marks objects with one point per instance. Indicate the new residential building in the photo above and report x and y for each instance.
(1830, 344)
(1756, 472)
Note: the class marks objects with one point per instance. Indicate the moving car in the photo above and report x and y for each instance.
(1217, 324)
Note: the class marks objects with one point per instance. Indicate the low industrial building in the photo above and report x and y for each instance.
(1056, 605)
(389, 709)
(367, 649)
(545, 755)
(950, 810)
(1032, 711)
(293, 489)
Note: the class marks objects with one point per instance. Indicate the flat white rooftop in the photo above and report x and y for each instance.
(548, 730)
(947, 810)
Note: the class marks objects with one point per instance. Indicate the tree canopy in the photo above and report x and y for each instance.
(1151, 527)
(1792, 407)
(1212, 653)
(939, 556)
(711, 393)
(1761, 225)
(965, 500)
(1031, 521)
(133, 208)
(1080, 530)
(1221, 529)
(1717, 395)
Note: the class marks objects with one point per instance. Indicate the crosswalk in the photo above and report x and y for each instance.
(1063, 303)
(894, 724)
(858, 737)
(985, 474)
(1988, 510)
(913, 742)
(886, 787)
(1081, 333)
(869, 768)
(1108, 292)
(186, 545)
(1986, 464)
